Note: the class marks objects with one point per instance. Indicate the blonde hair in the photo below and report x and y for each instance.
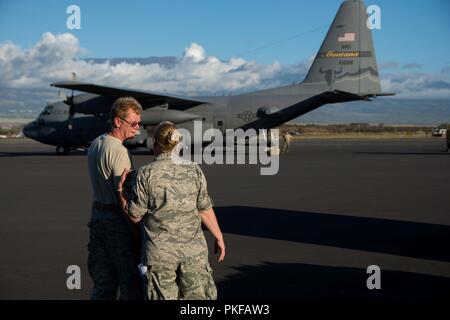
(122, 105)
(166, 137)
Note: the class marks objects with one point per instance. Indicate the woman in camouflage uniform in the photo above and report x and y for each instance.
(172, 200)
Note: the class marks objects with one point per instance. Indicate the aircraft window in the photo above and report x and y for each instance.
(219, 123)
(47, 110)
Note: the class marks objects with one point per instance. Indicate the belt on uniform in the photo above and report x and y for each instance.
(106, 206)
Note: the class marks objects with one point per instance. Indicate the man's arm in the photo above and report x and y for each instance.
(123, 201)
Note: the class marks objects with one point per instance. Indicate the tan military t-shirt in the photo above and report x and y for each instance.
(107, 158)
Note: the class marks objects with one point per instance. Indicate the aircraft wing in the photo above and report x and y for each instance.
(146, 99)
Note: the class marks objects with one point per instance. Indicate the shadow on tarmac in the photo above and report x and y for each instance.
(304, 281)
(441, 153)
(54, 154)
(410, 239)
(38, 154)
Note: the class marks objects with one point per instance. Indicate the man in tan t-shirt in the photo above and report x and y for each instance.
(113, 247)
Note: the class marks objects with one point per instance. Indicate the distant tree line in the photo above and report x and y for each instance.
(354, 128)
(11, 130)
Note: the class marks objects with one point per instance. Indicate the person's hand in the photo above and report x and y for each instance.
(123, 177)
(219, 247)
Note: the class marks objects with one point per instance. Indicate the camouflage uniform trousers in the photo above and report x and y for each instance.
(189, 280)
(112, 264)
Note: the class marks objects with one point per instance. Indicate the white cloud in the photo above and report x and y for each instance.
(50, 57)
(194, 53)
(54, 58)
(412, 65)
(417, 85)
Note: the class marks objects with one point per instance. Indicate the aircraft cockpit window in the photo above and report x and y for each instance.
(47, 110)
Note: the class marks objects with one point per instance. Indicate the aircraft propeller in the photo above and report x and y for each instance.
(69, 101)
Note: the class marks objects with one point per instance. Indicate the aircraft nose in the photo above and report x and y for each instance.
(30, 130)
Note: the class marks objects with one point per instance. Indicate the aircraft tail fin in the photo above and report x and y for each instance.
(346, 60)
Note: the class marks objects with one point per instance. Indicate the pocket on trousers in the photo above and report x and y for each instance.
(210, 288)
(152, 285)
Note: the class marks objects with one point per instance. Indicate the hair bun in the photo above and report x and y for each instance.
(174, 137)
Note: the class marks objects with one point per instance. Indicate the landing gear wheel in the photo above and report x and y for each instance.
(62, 150)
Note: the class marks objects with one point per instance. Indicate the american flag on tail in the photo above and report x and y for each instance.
(347, 37)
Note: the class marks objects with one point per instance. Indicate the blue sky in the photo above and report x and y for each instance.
(414, 31)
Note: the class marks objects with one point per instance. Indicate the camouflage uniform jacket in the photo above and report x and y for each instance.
(170, 196)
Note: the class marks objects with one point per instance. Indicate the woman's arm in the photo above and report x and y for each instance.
(210, 221)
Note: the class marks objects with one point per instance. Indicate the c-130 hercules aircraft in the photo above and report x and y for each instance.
(344, 69)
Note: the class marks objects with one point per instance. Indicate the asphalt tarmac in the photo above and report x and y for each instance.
(309, 232)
